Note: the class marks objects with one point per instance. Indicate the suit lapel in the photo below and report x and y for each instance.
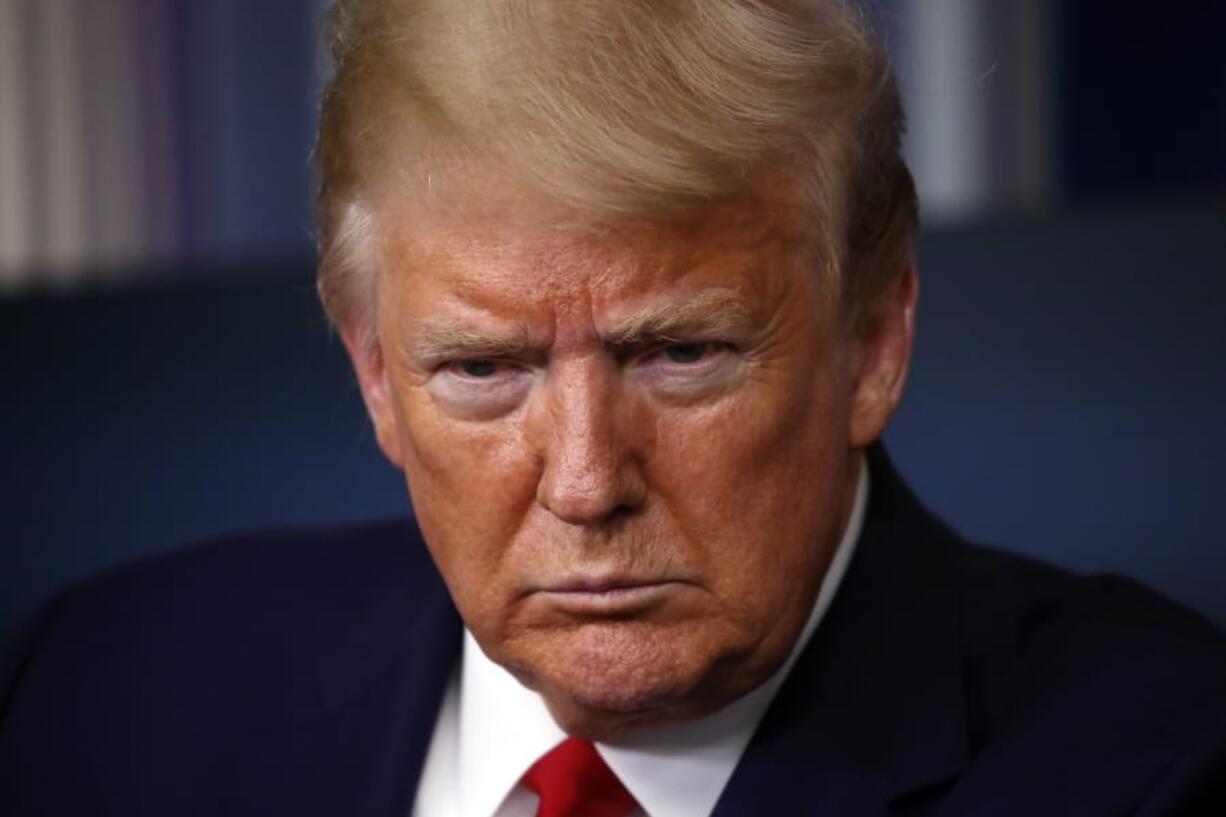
(873, 710)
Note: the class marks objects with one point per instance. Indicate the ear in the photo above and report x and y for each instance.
(366, 354)
(882, 342)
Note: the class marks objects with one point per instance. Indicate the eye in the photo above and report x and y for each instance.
(688, 360)
(480, 388)
(687, 353)
(477, 369)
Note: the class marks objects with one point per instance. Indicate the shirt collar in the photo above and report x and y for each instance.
(678, 770)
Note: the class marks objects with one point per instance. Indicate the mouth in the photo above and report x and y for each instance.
(607, 596)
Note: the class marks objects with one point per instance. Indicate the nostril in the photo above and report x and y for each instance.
(623, 510)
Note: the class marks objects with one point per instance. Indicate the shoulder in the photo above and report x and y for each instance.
(1019, 615)
(238, 585)
(1119, 682)
(265, 606)
(232, 671)
(1049, 659)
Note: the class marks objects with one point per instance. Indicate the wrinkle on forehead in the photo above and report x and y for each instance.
(563, 252)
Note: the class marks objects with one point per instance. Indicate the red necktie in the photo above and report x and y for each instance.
(574, 781)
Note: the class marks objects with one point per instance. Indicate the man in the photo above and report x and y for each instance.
(628, 290)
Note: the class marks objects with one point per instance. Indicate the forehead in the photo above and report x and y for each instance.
(748, 245)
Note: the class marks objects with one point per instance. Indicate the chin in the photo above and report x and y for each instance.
(604, 677)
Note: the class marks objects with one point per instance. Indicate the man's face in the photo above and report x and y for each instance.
(631, 456)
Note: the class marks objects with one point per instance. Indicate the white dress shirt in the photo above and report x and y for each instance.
(491, 729)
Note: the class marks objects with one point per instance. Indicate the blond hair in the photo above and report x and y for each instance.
(615, 109)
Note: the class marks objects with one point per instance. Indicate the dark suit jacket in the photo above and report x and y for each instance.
(300, 674)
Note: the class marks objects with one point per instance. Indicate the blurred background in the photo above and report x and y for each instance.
(166, 374)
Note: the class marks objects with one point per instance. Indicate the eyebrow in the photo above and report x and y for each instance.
(440, 341)
(718, 312)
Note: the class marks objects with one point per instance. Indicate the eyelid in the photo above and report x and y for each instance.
(640, 349)
(715, 345)
(456, 366)
(716, 357)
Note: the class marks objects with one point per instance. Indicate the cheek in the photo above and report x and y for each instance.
(471, 485)
(758, 484)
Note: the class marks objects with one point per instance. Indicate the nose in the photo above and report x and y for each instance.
(590, 471)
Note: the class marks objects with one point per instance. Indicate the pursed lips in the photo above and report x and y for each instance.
(607, 595)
